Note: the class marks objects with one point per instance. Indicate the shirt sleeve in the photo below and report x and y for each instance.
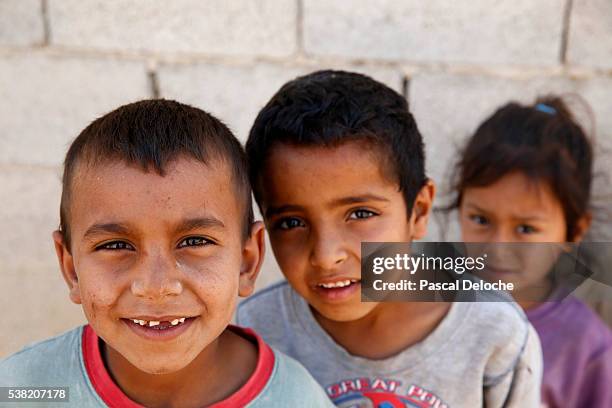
(521, 387)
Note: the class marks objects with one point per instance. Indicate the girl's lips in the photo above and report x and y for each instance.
(160, 332)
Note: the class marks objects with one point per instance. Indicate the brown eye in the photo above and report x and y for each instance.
(361, 214)
(525, 229)
(479, 219)
(289, 223)
(194, 242)
(115, 246)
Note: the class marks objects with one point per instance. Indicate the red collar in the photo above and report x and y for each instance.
(112, 395)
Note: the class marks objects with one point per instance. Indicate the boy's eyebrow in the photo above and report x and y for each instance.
(106, 228)
(200, 222)
(185, 225)
(357, 199)
(475, 207)
(270, 211)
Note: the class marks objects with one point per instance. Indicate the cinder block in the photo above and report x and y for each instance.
(448, 109)
(236, 93)
(30, 213)
(590, 34)
(233, 93)
(230, 27)
(523, 32)
(46, 101)
(33, 288)
(21, 22)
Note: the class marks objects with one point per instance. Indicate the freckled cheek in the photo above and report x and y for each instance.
(99, 295)
(100, 287)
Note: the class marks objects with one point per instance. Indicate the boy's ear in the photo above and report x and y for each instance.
(421, 209)
(582, 226)
(252, 258)
(66, 264)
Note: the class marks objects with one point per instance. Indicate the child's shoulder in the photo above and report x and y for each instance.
(500, 333)
(263, 304)
(291, 385)
(45, 362)
(499, 320)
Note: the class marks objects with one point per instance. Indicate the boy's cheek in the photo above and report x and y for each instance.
(97, 304)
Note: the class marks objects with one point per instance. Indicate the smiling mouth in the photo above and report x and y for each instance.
(338, 284)
(161, 325)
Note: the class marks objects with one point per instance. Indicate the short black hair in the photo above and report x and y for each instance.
(544, 142)
(328, 108)
(150, 134)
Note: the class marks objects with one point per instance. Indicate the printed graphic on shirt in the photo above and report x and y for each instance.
(381, 393)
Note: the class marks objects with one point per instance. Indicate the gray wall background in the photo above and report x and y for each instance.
(65, 62)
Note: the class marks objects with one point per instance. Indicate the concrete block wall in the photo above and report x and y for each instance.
(65, 62)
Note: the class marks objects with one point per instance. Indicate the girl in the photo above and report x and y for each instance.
(524, 177)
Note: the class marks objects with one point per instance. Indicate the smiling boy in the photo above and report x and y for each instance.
(336, 159)
(156, 241)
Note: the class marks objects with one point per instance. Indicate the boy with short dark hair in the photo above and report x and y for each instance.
(156, 241)
(336, 159)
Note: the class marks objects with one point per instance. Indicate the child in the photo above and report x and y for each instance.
(525, 177)
(156, 240)
(337, 159)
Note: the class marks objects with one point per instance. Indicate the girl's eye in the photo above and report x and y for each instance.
(361, 214)
(116, 246)
(194, 242)
(479, 219)
(525, 229)
(289, 223)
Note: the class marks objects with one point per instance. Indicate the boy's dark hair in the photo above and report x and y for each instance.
(150, 134)
(328, 108)
(544, 142)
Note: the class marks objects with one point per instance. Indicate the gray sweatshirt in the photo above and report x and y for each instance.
(481, 354)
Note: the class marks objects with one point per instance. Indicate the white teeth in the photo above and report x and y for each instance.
(153, 323)
(339, 284)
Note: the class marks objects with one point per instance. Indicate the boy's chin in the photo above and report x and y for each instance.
(165, 365)
(345, 313)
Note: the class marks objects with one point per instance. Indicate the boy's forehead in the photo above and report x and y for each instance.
(349, 168)
(350, 154)
(118, 172)
(122, 189)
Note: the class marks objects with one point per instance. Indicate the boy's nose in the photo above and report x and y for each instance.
(328, 251)
(157, 278)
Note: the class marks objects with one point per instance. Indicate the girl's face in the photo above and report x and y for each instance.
(515, 210)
